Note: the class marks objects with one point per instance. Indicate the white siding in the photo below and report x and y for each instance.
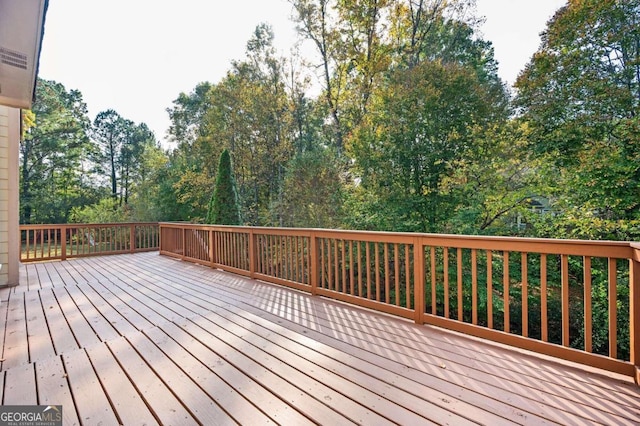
(9, 134)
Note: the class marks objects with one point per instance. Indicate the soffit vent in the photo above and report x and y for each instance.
(13, 58)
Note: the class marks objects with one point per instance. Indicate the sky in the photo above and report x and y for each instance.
(137, 56)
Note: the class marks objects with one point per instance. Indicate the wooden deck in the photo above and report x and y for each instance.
(146, 339)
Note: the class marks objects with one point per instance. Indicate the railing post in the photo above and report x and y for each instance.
(252, 254)
(634, 310)
(132, 237)
(418, 280)
(315, 262)
(63, 238)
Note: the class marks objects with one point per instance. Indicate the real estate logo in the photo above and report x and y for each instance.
(31, 415)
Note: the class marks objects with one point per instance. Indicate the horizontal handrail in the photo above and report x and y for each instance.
(557, 297)
(63, 241)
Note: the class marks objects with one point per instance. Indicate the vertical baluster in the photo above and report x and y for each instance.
(525, 295)
(613, 308)
(360, 269)
(460, 300)
(270, 255)
(489, 289)
(238, 250)
(377, 270)
(336, 266)
(434, 301)
(244, 254)
(368, 269)
(249, 252)
(588, 316)
(28, 243)
(305, 259)
(565, 299)
(55, 241)
(543, 297)
(505, 291)
(343, 261)
(407, 276)
(282, 264)
(474, 286)
(387, 296)
(289, 246)
(266, 250)
(293, 258)
(257, 252)
(445, 260)
(396, 270)
(323, 262)
(279, 257)
(223, 247)
(329, 254)
(351, 274)
(274, 255)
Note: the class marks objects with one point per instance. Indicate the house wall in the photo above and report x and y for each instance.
(9, 231)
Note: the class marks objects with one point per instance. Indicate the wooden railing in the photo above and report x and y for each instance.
(62, 241)
(575, 300)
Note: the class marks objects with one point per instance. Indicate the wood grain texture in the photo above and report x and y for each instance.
(147, 339)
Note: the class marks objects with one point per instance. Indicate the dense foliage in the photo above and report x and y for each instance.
(223, 207)
(399, 122)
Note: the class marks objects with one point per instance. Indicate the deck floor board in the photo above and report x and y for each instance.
(252, 390)
(125, 400)
(39, 338)
(79, 325)
(90, 400)
(147, 339)
(61, 334)
(53, 388)
(16, 348)
(524, 400)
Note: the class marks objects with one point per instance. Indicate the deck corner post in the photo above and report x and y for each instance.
(252, 254)
(634, 310)
(63, 242)
(315, 262)
(418, 279)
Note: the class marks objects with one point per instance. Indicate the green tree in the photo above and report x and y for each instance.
(313, 191)
(223, 207)
(494, 183)
(251, 116)
(139, 138)
(186, 114)
(147, 203)
(122, 144)
(580, 95)
(53, 155)
(110, 132)
(424, 121)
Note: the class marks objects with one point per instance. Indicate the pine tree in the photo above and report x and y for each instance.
(223, 207)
